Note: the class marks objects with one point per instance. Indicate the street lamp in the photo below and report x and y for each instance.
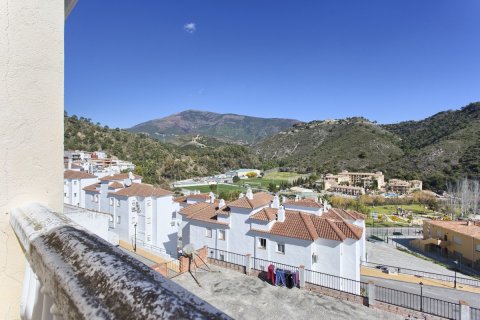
(421, 296)
(135, 237)
(455, 270)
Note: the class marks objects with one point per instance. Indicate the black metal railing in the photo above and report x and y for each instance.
(425, 274)
(227, 256)
(330, 281)
(262, 265)
(474, 313)
(393, 231)
(418, 302)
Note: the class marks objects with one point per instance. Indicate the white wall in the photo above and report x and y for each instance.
(31, 100)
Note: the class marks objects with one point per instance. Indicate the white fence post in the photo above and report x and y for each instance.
(371, 293)
(301, 276)
(464, 310)
(247, 264)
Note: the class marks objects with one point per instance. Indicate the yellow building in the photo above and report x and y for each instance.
(457, 240)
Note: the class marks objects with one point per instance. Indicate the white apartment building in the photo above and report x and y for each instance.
(73, 183)
(140, 213)
(331, 242)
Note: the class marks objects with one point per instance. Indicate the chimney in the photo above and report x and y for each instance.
(469, 223)
(284, 199)
(69, 164)
(241, 195)
(281, 214)
(221, 203)
(249, 194)
(275, 203)
(131, 176)
(212, 197)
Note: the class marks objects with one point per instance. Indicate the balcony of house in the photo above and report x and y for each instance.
(73, 274)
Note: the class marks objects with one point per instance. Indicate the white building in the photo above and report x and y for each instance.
(73, 184)
(140, 213)
(303, 234)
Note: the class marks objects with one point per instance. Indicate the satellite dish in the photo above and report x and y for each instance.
(188, 249)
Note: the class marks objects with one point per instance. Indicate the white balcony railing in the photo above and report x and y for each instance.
(73, 274)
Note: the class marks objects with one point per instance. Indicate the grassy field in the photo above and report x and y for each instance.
(221, 188)
(388, 209)
(282, 176)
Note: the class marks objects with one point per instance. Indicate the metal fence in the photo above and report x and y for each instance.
(227, 256)
(474, 313)
(138, 242)
(262, 265)
(425, 274)
(383, 232)
(418, 302)
(413, 301)
(336, 283)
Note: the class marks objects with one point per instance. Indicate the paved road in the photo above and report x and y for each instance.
(445, 294)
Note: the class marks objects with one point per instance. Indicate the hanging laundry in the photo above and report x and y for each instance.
(271, 273)
(288, 279)
(280, 277)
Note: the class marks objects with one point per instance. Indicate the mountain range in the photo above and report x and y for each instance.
(439, 148)
(231, 128)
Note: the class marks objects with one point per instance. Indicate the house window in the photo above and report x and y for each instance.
(75, 194)
(208, 232)
(65, 183)
(457, 240)
(262, 243)
(75, 182)
(439, 233)
(118, 203)
(281, 248)
(65, 194)
(222, 257)
(96, 198)
(111, 201)
(118, 219)
(314, 258)
(477, 247)
(221, 234)
(149, 237)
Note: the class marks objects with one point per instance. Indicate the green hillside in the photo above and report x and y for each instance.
(156, 161)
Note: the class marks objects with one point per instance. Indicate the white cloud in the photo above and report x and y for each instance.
(190, 27)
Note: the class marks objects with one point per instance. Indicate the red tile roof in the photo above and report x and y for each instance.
(141, 190)
(92, 188)
(119, 176)
(462, 227)
(310, 227)
(202, 211)
(304, 203)
(266, 214)
(180, 199)
(339, 214)
(259, 199)
(72, 174)
(115, 185)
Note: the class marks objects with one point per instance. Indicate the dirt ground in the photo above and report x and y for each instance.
(246, 297)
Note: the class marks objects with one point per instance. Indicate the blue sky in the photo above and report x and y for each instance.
(131, 61)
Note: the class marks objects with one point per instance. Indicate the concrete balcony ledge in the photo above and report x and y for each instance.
(73, 274)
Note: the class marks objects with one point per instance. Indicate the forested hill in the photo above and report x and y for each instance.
(440, 148)
(156, 161)
(232, 128)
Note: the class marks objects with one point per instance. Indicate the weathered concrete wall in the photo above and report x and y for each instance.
(31, 101)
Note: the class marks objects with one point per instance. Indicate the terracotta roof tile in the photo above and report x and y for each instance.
(141, 190)
(92, 188)
(339, 214)
(266, 214)
(472, 230)
(202, 211)
(304, 203)
(119, 176)
(72, 174)
(115, 185)
(180, 199)
(259, 199)
(306, 226)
